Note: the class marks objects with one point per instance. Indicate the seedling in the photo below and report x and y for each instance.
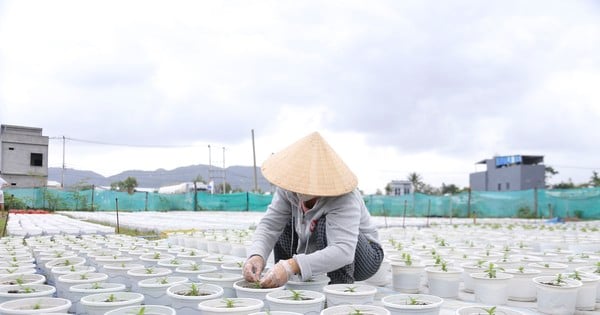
(414, 301)
(297, 295)
(175, 262)
(357, 312)
(195, 267)
(96, 286)
(163, 280)
(444, 266)
(37, 306)
(156, 255)
(194, 291)
(149, 270)
(72, 269)
(111, 298)
(141, 311)
(490, 311)
(575, 275)
(491, 271)
(408, 260)
(83, 276)
(350, 289)
(229, 303)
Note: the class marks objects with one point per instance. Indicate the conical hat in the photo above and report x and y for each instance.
(310, 166)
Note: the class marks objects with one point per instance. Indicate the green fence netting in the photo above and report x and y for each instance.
(583, 202)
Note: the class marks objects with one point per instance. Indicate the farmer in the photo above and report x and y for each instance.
(317, 221)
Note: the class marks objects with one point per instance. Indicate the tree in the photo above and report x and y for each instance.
(450, 189)
(416, 181)
(128, 185)
(564, 185)
(595, 179)
(388, 189)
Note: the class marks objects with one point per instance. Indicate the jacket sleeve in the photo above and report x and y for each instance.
(342, 225)
(278, 214)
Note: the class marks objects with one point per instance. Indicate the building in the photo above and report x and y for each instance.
(510, 173)
(23, 156)
(401, 188)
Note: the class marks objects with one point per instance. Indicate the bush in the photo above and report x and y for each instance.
(525, 212)
(12, 202)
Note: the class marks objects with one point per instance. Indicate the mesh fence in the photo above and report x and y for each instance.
(583, 202)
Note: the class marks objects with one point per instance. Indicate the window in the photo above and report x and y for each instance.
(37, 159)
(11, 149)
(507, 186)
(499, 186)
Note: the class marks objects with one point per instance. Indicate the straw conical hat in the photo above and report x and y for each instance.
(310, 166)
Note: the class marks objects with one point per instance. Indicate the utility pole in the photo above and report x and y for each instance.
(224, 170)
(62, 174)
(254, 157)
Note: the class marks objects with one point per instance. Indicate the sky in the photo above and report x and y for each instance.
(395, 87)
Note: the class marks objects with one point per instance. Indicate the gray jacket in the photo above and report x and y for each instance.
(347, 215)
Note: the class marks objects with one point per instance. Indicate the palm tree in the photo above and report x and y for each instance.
(416, 181)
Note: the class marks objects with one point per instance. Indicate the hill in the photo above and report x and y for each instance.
(239, 177)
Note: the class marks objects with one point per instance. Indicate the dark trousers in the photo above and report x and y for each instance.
(367, 257)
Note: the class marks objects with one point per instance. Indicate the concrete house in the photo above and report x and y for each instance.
(23, 156)
(510, 173)
(401, 188)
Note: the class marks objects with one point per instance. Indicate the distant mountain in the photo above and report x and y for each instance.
(239, 177)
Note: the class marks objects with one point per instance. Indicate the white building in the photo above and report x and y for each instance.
(23, 156)
(401, 188)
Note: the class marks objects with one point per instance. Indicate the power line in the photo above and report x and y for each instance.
(127, 144)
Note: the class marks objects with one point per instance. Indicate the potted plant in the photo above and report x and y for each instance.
(193, 254)
(300, 301)
(233, 267)
(556, 294)
(230, 306)
(444, 280)
(142, 310)
(469, 268)
(491, 286)
(222, 279)
(245, 289)
(217, 260)
(23, 279)
(487, 310)
(548, 268)
(76, 292)
(117, 272)
(185, 297)
(155, 289)
(192, 271)
(137, 275)
(521, 287)
(424, 304)
(174, 263)
(35, 305)
(19, 291)
(65, 281)
(360, 294)
(355, 309)
(100, 303)
(152, 259)
(314, 283)
(407, 274)
(586, 295)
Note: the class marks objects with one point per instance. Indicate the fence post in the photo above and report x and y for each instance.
(428, 211)
(404, 215)
(469, 203)
(146, 203)
(247, 201)
(535, 202)
(117, 209)
(93, 189)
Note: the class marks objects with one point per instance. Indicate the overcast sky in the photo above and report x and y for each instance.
(394, 86)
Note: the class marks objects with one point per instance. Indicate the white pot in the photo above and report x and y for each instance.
(399, 304)
(98, 304)
(147, 309)
(241, 306)
(233, 267)
(359, 294)
(482, 310)
(493, 291)
(188, 305)
(152, 259)
(281, 300)
(174, 263)
(193, 254)
(17, 291)
(521, 286)
(137, 275)
(192, 271)
(76, 292)
(155, 289)
(592, 270)
(118, 272)
(23, 279)
(217, 261)
(36, 305)
(275, 313)
(469, 268)
(65, 281)
(222, 279)
(444, 283)
(407, 278)
(557, 300)
(548, 268)
(56, 272)
(586, 295)
(350, 309)
(315, 283)
(243, 289)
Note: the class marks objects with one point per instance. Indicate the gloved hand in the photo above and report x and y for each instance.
(253, 267)
(278, 275)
